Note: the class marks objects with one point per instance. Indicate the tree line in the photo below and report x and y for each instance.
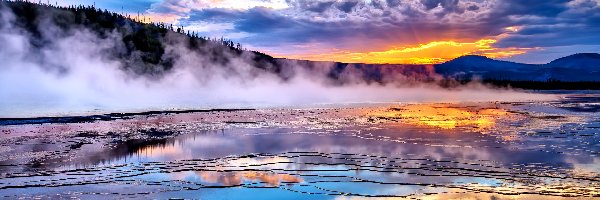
(143, 39)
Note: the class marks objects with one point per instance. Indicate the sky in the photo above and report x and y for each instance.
(385, 31)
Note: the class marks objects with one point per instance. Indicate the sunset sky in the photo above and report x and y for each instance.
(385, 31)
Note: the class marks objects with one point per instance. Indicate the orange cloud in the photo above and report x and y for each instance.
(430, 53)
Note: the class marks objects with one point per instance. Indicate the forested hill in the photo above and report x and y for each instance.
(144, 42)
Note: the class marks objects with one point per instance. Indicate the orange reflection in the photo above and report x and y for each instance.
(236, 178)
(444, 116)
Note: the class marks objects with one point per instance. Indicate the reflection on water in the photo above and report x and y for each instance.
(445, 115)
(434, 151)
(237, 178)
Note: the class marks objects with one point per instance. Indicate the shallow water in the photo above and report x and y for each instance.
(522, 150)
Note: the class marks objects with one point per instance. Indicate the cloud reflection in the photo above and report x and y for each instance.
(238, 178)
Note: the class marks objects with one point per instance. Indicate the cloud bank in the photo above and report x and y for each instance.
(525, 31)
(305, 28)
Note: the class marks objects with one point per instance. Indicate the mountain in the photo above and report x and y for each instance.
(575, 68)
(475, 62)
(583, 61)
(473, 66)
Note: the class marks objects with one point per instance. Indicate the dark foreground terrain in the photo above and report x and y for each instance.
(494, 150)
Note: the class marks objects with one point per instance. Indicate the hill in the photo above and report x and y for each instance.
(583, 61)
(584, 67)
(471, 66)
(143, 46)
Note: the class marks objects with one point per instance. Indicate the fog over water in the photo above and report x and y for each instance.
(73, 74)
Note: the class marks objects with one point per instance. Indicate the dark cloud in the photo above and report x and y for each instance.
(431, 4)
(551, 23)
(314, 6)
(259, 20)
(473, 8)
(378, 4)
(553, 36)
(354, 24)
(393, 3)
(215, 15)
(546, 8)
(347, 6)
(448, 6)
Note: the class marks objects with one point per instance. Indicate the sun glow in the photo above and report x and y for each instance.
(430, 53)
(512, 28)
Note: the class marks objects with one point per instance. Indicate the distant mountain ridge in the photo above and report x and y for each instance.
(573, 68)
(589, 61)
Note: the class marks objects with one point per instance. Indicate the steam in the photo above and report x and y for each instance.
(74, 74)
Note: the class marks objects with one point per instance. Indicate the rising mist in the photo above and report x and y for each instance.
(74, 70)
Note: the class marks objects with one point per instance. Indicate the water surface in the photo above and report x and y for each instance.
(523, 150)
